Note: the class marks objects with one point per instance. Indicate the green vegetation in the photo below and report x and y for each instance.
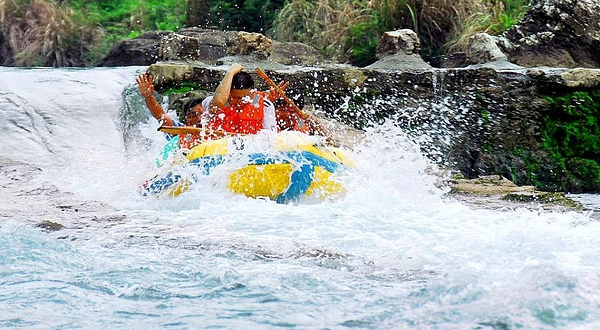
(42, 33)
(245, 15)
(352, 29)
(568, 159)
(362, 43)
(184, 87)
(530, 170)
(125, 19)
(572, 137)
(80, 32)
(129, 17)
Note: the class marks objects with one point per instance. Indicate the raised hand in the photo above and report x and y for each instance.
(235, 68)
(273, 94)
(145, 85)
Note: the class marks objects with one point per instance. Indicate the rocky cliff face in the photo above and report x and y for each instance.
(139, 51)
(553, 33)
(477, 120)
(535, 126)
(557, 33)
(210, 47)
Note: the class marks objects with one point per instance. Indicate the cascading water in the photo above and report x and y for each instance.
(394, 253)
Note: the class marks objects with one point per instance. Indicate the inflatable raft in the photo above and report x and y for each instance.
(283, 167)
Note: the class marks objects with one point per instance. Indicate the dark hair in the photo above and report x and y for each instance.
(242, 80)
(187, 106)
(294, 95)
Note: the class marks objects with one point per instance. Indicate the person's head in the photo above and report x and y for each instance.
(192, 112)
(241, 85)
(294, 95)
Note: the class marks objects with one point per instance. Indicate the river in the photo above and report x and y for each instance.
(394, 253)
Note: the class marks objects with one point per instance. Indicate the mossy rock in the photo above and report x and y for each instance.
(486, 186)
(548, 198)
(572, 138)
(50, 226)
(586, 174)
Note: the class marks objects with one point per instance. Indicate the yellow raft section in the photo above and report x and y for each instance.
(296, 165)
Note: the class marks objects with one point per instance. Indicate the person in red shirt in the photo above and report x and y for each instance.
(238, 108)
(288, 119)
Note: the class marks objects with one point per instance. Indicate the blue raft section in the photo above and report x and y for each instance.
(284, 173)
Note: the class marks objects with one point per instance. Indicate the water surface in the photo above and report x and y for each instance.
(394, 253)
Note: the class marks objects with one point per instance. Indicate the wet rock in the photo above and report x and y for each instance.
(487, 185)
(484, 52)
(250, 62)
(295, 53)
(212, 47)
(399, 42)
(399, 50)
(494, 186)
(557, 33)
(454, 60)
(195, 44)
(581, 78)
(50, 226)
(400, 62)
(551, 198)
(168, 75)
(142, 50)
(250, 43)
(483, 48)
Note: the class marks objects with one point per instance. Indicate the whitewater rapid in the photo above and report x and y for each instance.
(395, 253)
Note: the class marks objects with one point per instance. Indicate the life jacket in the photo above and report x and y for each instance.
(245, 120)
(286, 121)
(188, 140)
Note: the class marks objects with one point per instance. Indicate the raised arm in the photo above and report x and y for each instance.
(222, 91)
(146, 87)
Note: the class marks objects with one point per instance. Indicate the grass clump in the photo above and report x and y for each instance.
(41, 33)
(184, 87)
(323, 24)
(496, 17)
(78, 32)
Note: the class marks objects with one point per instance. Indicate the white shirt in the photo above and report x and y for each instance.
(269, 121)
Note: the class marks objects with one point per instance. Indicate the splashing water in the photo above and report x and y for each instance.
(393, 253)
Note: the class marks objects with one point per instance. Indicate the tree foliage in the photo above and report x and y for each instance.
(244, 15)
